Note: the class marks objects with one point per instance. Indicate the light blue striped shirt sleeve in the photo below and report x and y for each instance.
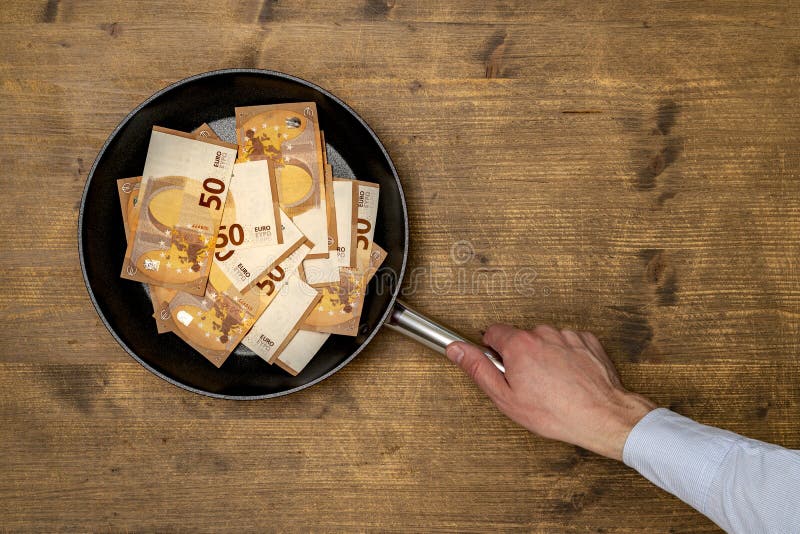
(741, 484)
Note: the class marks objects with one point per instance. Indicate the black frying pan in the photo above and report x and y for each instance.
(354, 150)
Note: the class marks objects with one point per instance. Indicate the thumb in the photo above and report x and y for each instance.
(475, 363)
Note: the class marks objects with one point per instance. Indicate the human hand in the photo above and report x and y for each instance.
(558, 384)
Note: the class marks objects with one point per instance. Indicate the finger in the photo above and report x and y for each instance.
(475, 363)
(573, 339)
(498, 336)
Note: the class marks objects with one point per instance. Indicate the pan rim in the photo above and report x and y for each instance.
(220, 72)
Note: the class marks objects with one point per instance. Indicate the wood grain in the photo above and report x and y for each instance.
(638, 164)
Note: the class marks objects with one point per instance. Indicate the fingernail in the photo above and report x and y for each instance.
(455, 353)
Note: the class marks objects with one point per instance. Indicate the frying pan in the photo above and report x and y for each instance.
(123, 305)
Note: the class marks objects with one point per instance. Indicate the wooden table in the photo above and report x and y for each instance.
(637, 163)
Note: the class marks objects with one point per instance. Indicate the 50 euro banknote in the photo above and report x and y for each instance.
(128, 191)
(181, 199)
(252, 206)
(272, 330)
(289, 135)
(216, 322)
(339, 310)
(302, 345)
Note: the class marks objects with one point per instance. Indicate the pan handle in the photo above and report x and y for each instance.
(413, 324)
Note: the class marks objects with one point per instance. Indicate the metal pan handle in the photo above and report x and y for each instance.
(413, 324)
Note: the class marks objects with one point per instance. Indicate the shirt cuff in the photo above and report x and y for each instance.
(677, 454)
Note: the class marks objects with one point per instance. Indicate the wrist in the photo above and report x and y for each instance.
(625, 411)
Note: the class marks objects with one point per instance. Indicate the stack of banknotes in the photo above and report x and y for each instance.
(255, 243)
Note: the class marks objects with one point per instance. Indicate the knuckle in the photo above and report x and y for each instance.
(491, 332)
(495, 328)
(530, 338)
(545, 330)
(499, 336)
(572, 338)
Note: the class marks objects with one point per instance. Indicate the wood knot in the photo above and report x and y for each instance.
(50, 11)
(660, 274)
(377, 8)
(666, 148)
(666, 115)
(266, 13)
(494, 55)
(113, 29)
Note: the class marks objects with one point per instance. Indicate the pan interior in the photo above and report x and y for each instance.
(123, 305)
